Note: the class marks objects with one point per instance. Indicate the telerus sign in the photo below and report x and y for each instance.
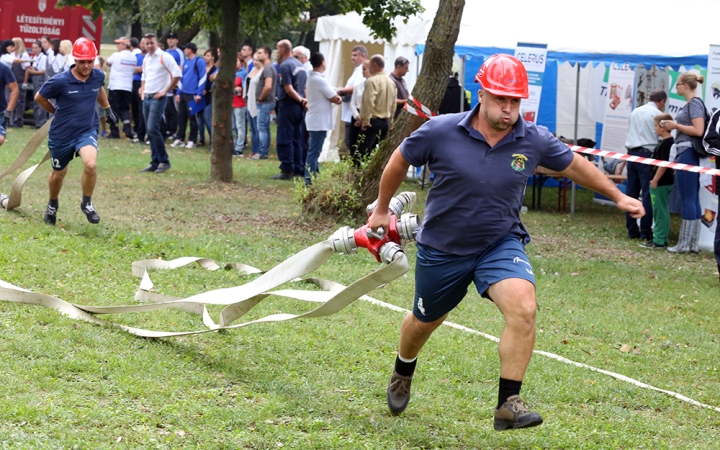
(32, 19)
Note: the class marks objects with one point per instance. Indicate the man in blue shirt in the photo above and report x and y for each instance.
(472, 230)
(291, 109)
(73, 132)
(7, 80)
(190, 93)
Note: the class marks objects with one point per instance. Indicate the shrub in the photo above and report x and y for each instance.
(332, 194)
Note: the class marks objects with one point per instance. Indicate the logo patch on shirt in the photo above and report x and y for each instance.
(518, 162)
(72, 92)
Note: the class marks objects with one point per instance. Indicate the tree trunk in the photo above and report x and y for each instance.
(429, 90)
(214, 42)
(222, 141)
(136, 28)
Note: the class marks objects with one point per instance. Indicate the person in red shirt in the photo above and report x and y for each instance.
(239, 111)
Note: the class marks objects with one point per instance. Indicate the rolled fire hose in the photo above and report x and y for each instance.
(13, 200)
(239, 300)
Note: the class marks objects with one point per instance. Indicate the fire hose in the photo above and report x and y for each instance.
(239, 300)
(13, 200)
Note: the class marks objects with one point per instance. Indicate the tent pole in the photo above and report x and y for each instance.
(461, 77)
(575, 137)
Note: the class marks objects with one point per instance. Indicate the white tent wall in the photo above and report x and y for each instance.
(566, 92)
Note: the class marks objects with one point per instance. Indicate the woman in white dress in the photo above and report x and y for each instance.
(251, 88)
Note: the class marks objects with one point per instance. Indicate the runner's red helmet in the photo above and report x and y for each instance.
(503, 75)
(84, 50)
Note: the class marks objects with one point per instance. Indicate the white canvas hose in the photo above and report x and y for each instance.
(12, 200)
(238, 300)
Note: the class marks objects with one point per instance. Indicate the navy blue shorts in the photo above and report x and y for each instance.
(442, 279)
(61, 153)
(3, 131)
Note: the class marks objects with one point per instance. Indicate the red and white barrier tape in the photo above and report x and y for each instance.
(648, 161)
(418, 109)
(425, 113)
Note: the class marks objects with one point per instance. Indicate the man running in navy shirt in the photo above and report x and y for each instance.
(472, 230)
(7, 79)
(73, 132)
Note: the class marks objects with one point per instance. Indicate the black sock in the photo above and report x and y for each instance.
(403, 368)
(508, 388)
(53, 203)
(85, 200)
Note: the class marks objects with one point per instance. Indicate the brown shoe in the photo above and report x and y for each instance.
(514, 414)
(398, 393)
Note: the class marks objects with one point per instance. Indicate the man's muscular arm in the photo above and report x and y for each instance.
(392, 177)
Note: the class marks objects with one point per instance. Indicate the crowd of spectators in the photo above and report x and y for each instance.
(288, 87)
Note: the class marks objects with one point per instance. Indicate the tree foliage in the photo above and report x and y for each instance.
(258, 20)
(259, 17)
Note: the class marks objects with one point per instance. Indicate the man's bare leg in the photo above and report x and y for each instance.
(88, 154)
(413, 335)
(515, 298)
(55, 182)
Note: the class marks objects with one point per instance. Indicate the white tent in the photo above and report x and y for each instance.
(339, 34)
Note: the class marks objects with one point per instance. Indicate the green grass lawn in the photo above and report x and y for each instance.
(320, 383)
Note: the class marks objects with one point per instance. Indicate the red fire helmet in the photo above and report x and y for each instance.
(503, 75)
(84, 50)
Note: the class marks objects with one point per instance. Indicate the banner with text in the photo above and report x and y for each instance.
(533, 57)
(618, 106)
(712, 80)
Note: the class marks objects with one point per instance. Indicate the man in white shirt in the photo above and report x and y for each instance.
(359, 55)
(122, 67)
(641, 141)
(160, 75)
(319, 117)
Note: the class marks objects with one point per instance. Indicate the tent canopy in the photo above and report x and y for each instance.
(349, 27)
(482, 53)
(609, 31)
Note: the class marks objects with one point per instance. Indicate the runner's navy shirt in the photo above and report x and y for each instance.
(478, 191)
(6, 77)
(75, 104)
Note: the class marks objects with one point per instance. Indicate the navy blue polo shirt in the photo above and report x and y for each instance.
(75, 104)
(291, 72)
(478, 191)
(6, 77)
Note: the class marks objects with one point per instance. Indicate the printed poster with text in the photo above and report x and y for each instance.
(709, 185)
(533, 57)
(712, 80)
(618, 106)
